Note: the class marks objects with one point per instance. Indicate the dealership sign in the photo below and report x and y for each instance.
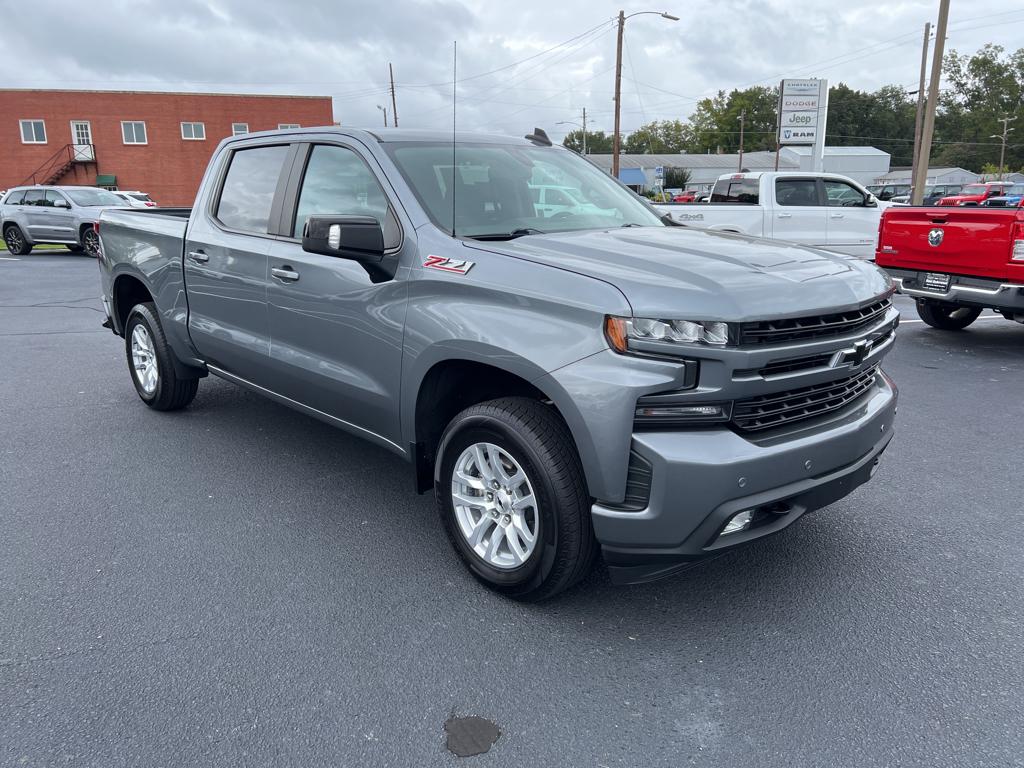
(801, 111)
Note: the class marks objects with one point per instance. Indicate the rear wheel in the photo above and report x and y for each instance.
(946, 317)
(91, 241)
(15, 240)
(512, 498)
(150, 361)
(75, 248)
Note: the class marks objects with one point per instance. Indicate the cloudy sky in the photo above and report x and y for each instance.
(520, 64)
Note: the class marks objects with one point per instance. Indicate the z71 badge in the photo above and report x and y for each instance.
(448, 265)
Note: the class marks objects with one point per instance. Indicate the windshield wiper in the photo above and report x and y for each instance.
(507, 235)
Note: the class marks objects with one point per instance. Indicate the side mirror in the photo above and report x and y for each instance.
(61, 204)
(870, 201)
(359, 238)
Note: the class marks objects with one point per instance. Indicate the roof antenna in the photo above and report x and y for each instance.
(455, 70)
(539, 136)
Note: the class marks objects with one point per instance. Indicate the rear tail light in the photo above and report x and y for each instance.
(1017, 253)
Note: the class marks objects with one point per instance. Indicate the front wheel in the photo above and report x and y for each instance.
(946, 317)
(150, 361)
(512, 498)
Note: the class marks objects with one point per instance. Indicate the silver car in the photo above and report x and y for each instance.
(61, 215)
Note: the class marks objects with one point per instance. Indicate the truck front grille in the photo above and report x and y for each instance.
(814, 326)
(779, 408)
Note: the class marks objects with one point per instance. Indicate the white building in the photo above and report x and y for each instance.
(935, 176)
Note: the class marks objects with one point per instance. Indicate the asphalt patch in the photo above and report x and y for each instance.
(468, 736)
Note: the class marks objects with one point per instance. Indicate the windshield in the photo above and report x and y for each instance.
(498, 190)
(973, 189)
(138, 196)
(91, 198)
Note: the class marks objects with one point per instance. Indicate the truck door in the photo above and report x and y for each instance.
(226, 262)
(852, 226)
(799, 215)
(335, 334)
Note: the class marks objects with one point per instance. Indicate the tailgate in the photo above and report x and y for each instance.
(973, 241)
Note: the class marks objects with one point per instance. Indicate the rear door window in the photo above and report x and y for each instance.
(248, 192)
(797, 192)
(33, 197)
(736, 191)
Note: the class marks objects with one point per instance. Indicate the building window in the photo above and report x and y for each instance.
(33, 132)
(133, 131)
(193, 131)
(283, 126)
(237, 129)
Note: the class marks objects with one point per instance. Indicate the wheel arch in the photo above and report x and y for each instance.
(128, 290)
(449, 385)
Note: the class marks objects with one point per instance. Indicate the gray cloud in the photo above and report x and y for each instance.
(342, 49)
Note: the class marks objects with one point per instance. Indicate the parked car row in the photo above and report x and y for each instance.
(59, 215)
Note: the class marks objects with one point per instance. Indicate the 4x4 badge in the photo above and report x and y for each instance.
(448, 265)
(935, 237)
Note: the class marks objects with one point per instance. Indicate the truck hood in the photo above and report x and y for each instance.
(675, 272)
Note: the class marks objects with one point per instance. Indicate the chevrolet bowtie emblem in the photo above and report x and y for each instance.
(853, 356)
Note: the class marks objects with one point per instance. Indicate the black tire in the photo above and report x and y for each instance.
(535, 436)
(75, 248)
(91, 241)
(946, 317)
(15, 240)
(170, 392)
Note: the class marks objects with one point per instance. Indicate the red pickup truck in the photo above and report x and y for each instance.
(955, 261)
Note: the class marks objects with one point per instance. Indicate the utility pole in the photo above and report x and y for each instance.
(394, 106)
(921, 171)
(584, 131)
(743, 118)
(1002, 149)
(385, 111)
(618, 95)
(915, 199)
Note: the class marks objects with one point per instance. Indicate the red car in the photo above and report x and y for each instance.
(685, 197)
(955, 263)
(976, 194)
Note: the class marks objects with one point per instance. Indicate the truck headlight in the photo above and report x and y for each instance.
(620, 331)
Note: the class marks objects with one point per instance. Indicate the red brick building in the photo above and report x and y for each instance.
(154, 142)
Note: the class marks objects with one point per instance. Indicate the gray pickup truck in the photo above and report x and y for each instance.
(563, 380)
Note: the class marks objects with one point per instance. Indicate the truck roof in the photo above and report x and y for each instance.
(389, 135)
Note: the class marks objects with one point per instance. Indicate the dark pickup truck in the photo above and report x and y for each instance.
(567, 382)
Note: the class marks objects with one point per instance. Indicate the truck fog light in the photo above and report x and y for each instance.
(738, 522)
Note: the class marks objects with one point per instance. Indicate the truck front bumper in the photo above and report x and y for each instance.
(702, 479)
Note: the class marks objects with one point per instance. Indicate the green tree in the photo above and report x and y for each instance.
(598, 143)
(677, 178)
(983, 88)
(660, 137)
(716, 121)
(883, 119)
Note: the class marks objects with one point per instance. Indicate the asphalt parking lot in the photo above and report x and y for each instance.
(237, 584)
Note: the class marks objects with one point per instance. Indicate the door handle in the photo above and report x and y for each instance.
(837, 215)
(285, 273)
(198, 257)
(785, 215)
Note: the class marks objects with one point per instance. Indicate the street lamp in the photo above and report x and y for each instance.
(385, 111)
(583, 126)
(618, 78)
(1002, 137)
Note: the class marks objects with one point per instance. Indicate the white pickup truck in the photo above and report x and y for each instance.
(823, 210)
